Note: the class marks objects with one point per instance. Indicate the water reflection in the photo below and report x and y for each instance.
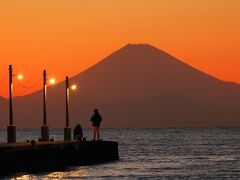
(25, 177)
(73, 173)
(159, 154)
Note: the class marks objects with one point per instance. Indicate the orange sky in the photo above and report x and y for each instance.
(68, 36)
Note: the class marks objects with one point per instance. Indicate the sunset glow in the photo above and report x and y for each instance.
(67, 37)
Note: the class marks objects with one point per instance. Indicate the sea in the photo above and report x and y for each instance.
(154, 154)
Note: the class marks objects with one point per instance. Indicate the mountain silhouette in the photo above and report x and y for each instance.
(137, 86)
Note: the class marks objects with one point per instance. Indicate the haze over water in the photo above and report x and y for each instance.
(156, 153)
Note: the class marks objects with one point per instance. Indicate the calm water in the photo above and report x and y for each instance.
(157, 154)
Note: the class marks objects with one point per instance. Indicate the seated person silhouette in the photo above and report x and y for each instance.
(77, 133)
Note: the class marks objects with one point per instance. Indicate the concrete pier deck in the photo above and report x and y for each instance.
(50, 156)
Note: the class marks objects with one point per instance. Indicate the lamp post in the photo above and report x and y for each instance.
(11, 129)
(44, 127)
(67, 129)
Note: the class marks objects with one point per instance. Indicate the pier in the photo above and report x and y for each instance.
(33, 157)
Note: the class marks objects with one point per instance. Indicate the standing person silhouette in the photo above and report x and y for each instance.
(96, 120)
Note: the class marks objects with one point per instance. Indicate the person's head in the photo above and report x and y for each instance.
(95, 110)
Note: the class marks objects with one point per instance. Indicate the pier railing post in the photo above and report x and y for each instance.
(11, 129)
(44, 127)
(67, 129)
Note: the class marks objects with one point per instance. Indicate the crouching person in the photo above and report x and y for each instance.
(77, 133)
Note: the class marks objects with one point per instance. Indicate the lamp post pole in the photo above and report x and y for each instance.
(67, 101)
(44, 127)
(44, 97)
(10, 96)
(67, 129)
(11, 129)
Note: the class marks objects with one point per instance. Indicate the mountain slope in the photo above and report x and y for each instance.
(139, 86)
(143, 69)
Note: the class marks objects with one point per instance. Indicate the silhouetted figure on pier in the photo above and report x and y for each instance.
(77, 133)
(96, 119)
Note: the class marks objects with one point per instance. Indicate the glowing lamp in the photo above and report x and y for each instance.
(19, 76)
(52, 81)
(74, 87)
